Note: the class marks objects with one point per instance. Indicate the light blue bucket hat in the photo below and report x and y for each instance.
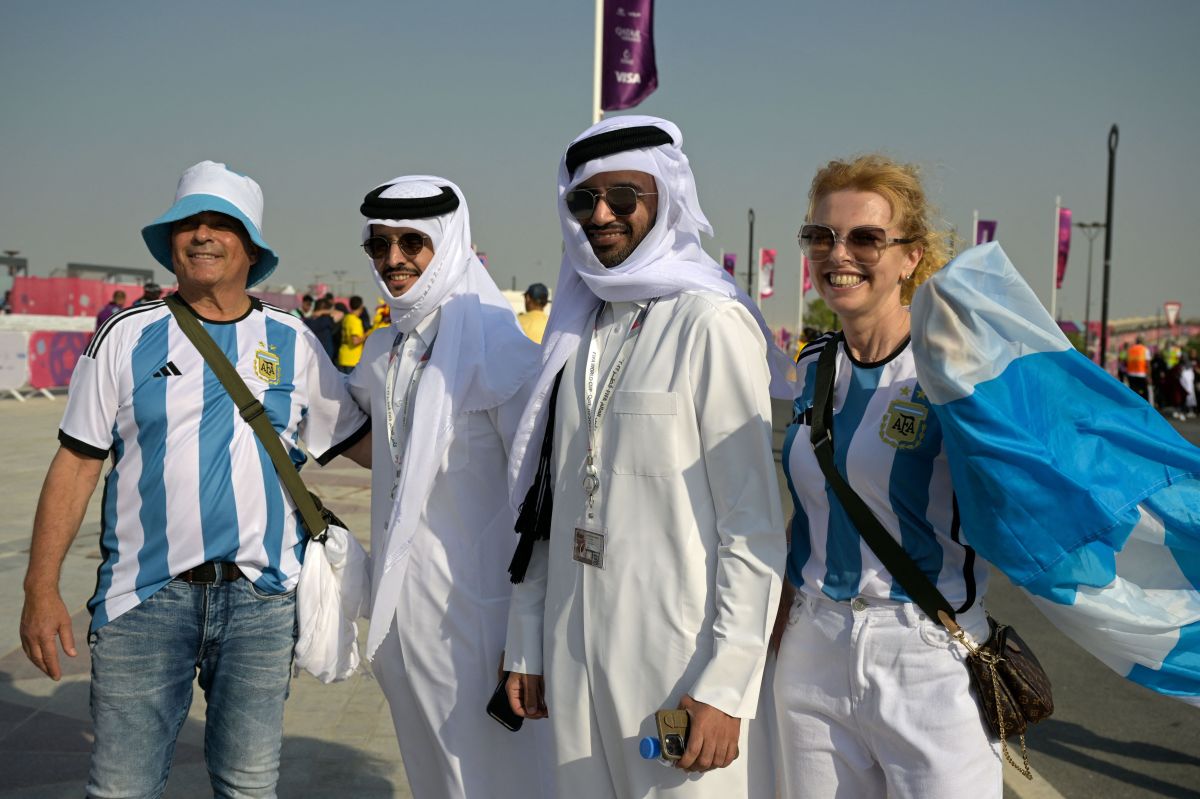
(209, 186)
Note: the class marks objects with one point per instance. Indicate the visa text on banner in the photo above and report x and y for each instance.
(628, 72)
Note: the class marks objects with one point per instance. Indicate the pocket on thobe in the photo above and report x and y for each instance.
(644, 440)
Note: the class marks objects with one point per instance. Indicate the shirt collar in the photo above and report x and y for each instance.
(427, 328)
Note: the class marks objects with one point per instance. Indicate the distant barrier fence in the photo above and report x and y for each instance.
(66, 296)
(36, 361)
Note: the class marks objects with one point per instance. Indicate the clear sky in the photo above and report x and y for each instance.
(1005, 105)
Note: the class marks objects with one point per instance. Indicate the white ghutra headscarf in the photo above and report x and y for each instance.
(669, 260)
(479, 361)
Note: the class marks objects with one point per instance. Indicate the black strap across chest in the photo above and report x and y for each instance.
(889, 551)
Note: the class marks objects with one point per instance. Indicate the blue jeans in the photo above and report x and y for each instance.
(143, 664)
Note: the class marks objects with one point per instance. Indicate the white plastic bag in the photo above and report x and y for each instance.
(333, 589)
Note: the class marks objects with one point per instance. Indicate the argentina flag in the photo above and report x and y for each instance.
(1067, 481)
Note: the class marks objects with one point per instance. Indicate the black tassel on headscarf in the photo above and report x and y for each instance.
(533, 521)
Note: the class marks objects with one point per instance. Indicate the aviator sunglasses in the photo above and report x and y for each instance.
(621, 200)
(865, 244)
(410, 244)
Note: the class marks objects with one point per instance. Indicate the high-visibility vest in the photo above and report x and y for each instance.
(1139, 358)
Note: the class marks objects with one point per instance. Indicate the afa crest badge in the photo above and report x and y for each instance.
(903, 426)
(266, 365)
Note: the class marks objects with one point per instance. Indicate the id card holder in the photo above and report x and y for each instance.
(589, 546)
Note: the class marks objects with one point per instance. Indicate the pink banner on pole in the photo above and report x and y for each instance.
(628, 73)
(986, 231)
(807, 277)
(729, 262)
(1064, 244)
(766, 273)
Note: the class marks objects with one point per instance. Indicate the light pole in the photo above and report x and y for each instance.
(1113, 138)
(750, 255)
(1091, 230)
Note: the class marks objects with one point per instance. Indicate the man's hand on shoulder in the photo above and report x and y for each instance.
(712, 737)
(44, 620)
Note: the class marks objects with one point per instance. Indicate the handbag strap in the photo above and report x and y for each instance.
(252, 411)
(885, 547)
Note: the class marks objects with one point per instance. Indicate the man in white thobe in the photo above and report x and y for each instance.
(445, 385)
(657, 586)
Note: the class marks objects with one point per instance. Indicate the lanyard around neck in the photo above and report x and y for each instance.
(389, 389)
(594, 408)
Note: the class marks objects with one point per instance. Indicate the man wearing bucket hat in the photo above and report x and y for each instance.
(200, 545)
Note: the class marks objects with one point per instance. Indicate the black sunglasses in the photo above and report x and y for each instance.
(621, 200)
(410, 244)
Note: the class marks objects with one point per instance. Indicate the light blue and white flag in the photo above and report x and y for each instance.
(1066, 480)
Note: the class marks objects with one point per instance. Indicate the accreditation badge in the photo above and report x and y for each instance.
(589, 546)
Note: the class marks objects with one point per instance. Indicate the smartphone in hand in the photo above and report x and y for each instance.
(499, 708)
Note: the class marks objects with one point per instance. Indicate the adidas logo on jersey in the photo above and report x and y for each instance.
(170, 370)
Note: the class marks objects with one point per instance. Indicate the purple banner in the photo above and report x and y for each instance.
(628, 74)
(1064, 244)
(730, 262)
(986, 231)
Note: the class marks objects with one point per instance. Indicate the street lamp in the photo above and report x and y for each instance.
(750, 255)
(1091, 230)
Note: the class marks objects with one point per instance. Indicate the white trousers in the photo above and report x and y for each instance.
(451, 748)
(872, 699)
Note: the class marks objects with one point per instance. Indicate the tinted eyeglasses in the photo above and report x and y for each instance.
(865, 244)
(621, 200)
(410, 244)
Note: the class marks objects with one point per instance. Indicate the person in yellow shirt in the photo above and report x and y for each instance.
(533, 321)
(353, 336)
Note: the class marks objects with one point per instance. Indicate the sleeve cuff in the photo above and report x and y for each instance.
(81, 447)
(346, 444)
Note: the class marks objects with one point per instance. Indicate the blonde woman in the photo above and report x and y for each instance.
(872, 697)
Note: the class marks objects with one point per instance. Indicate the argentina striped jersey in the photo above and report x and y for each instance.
(190, 482)
(888, 445)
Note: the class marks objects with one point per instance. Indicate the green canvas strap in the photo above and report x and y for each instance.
(902, 567)
(252, 411)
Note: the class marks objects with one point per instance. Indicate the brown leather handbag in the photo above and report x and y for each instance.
(1013, 687)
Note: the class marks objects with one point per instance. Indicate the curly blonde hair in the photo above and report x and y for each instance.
(900, 185)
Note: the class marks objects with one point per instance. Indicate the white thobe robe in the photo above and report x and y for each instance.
(438, 664)
(694, 555)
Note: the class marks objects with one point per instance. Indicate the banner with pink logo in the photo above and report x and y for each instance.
(766, 273)
(628, 72)
(729, 262)
(1064, 244)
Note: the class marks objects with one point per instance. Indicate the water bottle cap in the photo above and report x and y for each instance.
(650, 748)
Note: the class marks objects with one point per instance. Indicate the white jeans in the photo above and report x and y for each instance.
(872, 699)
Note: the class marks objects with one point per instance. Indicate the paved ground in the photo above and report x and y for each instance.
(1108, 738)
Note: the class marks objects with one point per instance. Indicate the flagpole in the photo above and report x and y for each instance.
(800, 316)
(598, 63)
(974, 228)
(1054, 262)
(758, 283)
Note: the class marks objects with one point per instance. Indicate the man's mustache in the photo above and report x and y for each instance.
(611, 227)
